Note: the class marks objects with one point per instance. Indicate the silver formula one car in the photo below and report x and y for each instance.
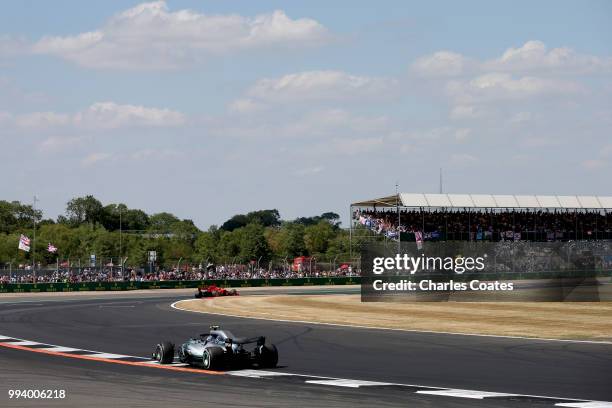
(218, 350)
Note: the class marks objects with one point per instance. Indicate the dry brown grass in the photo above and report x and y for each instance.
(571, 320)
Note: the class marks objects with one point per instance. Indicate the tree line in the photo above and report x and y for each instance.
(114, 230)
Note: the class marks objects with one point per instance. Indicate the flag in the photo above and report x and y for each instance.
(24, 243)
(51, 248)
(418, 236)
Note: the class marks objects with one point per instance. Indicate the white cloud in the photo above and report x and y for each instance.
(319, 85)
(319, 124)
(432, 134)
(497, 86)
(149, 36)
(534, 56)
(95, 158)
(68, 47)
(102, 115)
(156, 154)
(245, 105)
(55, 143)
(332, 124)
(441, 63)
(530, 57)
(42, 120)
(110, 115)
(520, 78)
(466, 112)
(325, 132)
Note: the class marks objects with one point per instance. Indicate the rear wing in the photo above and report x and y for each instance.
(260, 340)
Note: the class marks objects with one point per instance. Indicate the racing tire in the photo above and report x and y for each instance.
(268, 356)
(164, 352)
(213, 358)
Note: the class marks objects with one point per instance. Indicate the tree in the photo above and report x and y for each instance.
(253, 244)
(69, 241)
(162, 222)
(237, 221)
(274, 239)
(340, 245)
(14, 215)
(185, 230)
(106, 246)
(85, 210)
(243, 238)
(110, 216)
(135, 249)
(174, 249)
(317, 237)
(266, 218)
(292, 240)
(229, 246)
(135, 220)
(206, 247)
(331, 217)
(8, 249)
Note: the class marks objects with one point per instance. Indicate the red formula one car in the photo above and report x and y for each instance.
(214, 291)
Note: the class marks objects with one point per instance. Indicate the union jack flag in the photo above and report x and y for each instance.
(24, 243)
(418, 236)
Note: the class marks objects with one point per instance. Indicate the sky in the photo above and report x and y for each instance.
(207, 109)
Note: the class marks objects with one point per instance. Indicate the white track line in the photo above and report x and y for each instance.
(154, 362)
(60, 349)
(106, 355)
(257, 373)
(465, 393)
(22, 343)
(332, 381)
(348, 383)
(173, 305)
(2, 338)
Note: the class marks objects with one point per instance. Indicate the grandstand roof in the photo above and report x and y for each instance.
(490, 201)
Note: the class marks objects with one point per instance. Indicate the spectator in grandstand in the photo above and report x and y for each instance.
(489, 225)
(219, 272)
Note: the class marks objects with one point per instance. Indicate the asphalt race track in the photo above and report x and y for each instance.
(130, 325)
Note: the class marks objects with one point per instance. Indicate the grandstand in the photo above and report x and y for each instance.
(483, 217)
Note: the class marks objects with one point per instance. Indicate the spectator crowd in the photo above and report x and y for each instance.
(187, 274)
(488, 225)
